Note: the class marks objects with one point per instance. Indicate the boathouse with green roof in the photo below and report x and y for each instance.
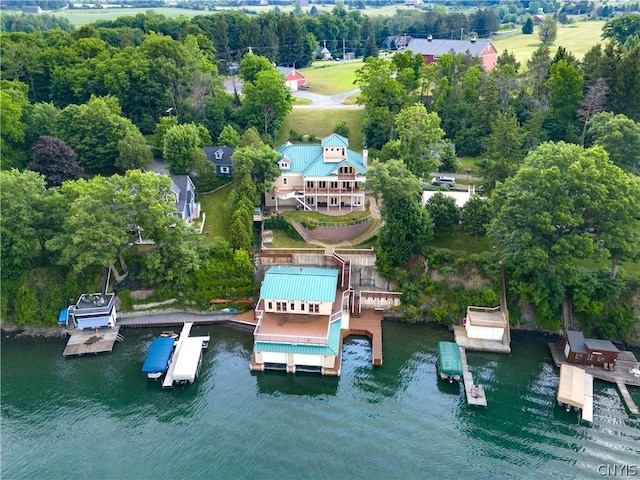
(299, 320)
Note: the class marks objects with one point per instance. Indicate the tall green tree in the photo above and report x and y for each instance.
(13, 100)
(133, 152)
(619, 136)
(565, 86)
(94, 130)
(229, 137)
(23, 213)
(182, 145)
(548, 30)
(267, 101)
(444, 212)
(545, 215)
(407, 223)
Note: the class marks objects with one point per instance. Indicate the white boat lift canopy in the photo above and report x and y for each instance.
(576, 389)
(185, 362)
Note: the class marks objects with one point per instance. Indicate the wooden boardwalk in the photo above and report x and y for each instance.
(82, 342)
(475, 393)
(478, 344)
(621, 375)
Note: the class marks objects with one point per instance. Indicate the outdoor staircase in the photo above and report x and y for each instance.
(302, 230)
(567, 314)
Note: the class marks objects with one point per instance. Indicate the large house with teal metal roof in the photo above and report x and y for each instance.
(325, 176)
(300, 315)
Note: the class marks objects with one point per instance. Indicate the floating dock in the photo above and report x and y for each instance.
(187, 356)
(82, 342)
(475, 393)
(575, 389)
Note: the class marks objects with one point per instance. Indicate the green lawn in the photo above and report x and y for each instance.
(461, 241)
(320, 122)
(329, 77)
(218, 218)
(577, 38)
(282, 240)
(298, 216)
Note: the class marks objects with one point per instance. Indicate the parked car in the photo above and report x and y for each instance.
(438, 181)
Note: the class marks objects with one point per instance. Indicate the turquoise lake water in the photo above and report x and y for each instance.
(98, 417)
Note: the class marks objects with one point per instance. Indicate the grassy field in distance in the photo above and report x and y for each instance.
(577, 38)
(80, 17)
(320, 122)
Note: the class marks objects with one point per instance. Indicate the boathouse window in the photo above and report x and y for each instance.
(270, 305)
(601, 358)
(281, 306)
(590, 358)
(578, 356)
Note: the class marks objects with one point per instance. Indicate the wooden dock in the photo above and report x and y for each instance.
(368, 324)
(475, 393)
(478, 344)
(620, 375)
(82, 342)
(626, 396)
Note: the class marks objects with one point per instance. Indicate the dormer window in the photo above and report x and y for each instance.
(218, 155)
(284, 165)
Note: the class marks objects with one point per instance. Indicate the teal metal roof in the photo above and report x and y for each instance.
(300, 283)
(449, 359)
(332, 348)
(308, 158)
(335, 140)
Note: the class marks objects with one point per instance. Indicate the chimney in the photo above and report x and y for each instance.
(429, 38)
(365, 156)
(473, 39)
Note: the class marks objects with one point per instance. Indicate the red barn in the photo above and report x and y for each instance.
(292, 78)
(431, 49)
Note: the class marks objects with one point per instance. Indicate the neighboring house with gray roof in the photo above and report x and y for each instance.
(184, 196)
(431, 49)
(327, 176)
(221, 158)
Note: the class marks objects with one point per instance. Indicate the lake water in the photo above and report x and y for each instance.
(98, 417)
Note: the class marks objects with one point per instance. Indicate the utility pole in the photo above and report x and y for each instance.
(343, 49)
(461, 32)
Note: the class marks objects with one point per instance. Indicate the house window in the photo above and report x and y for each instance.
(357, 200)
(224, 169)
(293, 306)
(310, 200)
(333, 201)
(270, 305)
(284, 180)
(314, 308)
(302, 307)
(309, 184)
(579, 356)
(218, 155)
(322, 184)
(284, 165)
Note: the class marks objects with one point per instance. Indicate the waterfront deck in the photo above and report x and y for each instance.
(368, 324)
(479, 344)
(621, 375)
(83, 342)
(474, 393)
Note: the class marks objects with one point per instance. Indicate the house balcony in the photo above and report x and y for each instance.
(333, 191)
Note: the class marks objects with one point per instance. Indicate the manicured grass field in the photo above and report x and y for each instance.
(577, 38)
(320, 122)
(79, 17)
(218, 218)
(329, 77)
(282, 240)
(347, 217)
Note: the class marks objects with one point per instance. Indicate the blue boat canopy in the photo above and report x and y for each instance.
(64, 316)
(159, 354)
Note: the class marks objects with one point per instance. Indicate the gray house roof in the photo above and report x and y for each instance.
(580, 344)
(439, 47)
(220, 156)
(185, 192)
